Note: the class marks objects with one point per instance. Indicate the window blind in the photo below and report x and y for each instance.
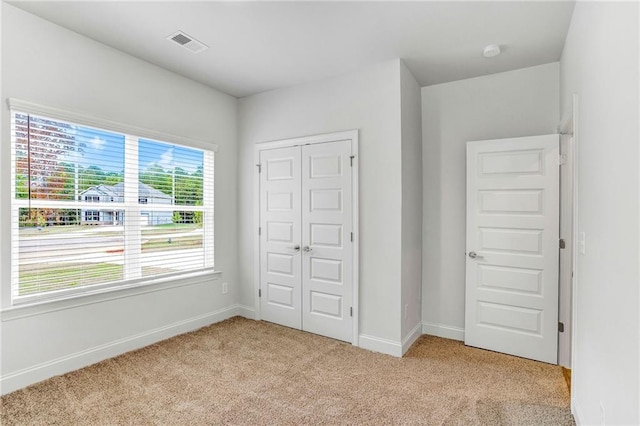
(93, 208)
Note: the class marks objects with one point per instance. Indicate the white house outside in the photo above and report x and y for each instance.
(115, 194)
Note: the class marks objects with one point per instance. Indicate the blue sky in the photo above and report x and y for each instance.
(168, 156)
(106, 150)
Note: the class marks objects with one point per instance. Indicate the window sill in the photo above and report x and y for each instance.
(103, 295)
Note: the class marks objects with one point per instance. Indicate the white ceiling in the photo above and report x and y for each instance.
(259, 46)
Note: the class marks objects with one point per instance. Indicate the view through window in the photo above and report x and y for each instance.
(94, 208)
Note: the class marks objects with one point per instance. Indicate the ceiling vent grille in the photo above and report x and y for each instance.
(188, 42)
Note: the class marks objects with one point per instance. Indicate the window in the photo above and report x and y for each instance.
(91, 215)
(94, 208)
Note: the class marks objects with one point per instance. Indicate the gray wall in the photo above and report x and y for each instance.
(411, 206)
(86, 76)
(516, 103)
(600, 65)
(370, 102)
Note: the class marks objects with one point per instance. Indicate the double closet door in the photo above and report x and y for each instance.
(306, 232)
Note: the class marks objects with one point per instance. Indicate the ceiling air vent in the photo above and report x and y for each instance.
(188, 42)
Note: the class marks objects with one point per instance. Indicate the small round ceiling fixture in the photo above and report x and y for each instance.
(491, 50)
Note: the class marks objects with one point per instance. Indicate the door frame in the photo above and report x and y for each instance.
(569, 126)
(351, 135)
(566, 255)
(568, 199)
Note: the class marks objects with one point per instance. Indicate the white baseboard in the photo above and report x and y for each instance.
(28, 376)
(411, 338)
(246, 312)
(378, 344)
(576, 411)
(441, 330)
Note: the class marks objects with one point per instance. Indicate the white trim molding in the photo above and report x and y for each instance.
(411, 337)
(247, 312)
(311, 139)
(442, 330)
(577, 412)
(28, 376)
(104, 295)
(379, 344)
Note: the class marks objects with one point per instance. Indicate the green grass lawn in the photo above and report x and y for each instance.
(37, 280)
(177, 225)
(45, 277)
(175, 244)
(31, 231)
(169, 228)
(108, 230)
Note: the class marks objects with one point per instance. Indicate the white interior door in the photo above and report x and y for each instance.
(306, 237)
(280, 235)
(327, 239)
(512, 246)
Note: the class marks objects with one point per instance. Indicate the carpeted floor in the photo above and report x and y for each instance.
(247, 372)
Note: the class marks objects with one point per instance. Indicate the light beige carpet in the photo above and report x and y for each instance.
(247, 372)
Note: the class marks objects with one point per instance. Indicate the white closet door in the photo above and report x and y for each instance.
(280, 222)
(326, 240)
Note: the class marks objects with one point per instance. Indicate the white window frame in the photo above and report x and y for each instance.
(132, 270)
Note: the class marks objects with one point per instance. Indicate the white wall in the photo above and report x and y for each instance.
(600, 64)
(56, 67)
(516, 103)
(411, 206)
(370, 102)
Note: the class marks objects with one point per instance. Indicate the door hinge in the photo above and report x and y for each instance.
(351, 159)
(259, 166)
(259, 230)
(259, 292)
(351, 311)
(562, 243)
(562, 159)
(352, 237)
(561, 327)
